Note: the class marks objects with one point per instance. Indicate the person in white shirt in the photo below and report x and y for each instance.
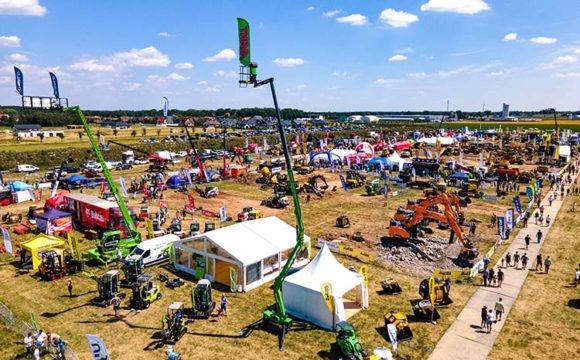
(41, 339)
(490, 320)
(28, 343)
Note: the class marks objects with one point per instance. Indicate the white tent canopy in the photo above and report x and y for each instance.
(395, 159)
(302, 290)
(433, 140)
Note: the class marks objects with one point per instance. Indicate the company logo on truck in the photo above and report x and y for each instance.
(94, 215)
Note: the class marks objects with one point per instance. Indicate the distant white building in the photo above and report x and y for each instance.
(505, 114)
(355, 119)
(574, 117)
(370, 119)
(34, 130)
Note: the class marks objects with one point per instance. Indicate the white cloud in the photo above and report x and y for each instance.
(5, 80)
(92, 66)
(18, 57)
(567, 75)
(227, 74)
(386, 82)
(9, 41)
(134, 86)
(566, 59)
(332, 13)
(543, 40)
(510, 37)
(469, 7)
(310, 8)
(455, 71)
(404, 51)
(289, 62)
(21, 7)
(202, 82)
(301, 86)
(497, 73)
(146, 57)
(225, 55)
(353, 19)
(418, 75)
(184, 65)
(340, 74)
(212, 89)
(175, 76)
(397, 19)
(398, 57)
(166, 34)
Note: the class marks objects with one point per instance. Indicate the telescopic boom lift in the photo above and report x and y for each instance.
(112, 240)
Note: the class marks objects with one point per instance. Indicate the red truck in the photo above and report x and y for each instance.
(510, 174)
(94, 213)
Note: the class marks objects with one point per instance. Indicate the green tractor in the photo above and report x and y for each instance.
(373, 187)
(348, 344)
(144, 292)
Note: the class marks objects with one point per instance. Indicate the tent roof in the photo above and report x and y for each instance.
(459, 175)
(325, 268)
(42, 241)
(76, 178)
(252, 241)
(53, 214)
(19, 185)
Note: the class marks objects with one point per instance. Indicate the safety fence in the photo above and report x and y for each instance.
(22, 328)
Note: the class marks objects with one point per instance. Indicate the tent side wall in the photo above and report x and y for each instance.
(307, 304)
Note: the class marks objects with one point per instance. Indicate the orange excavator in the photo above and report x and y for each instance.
(450, 201)
(410, 224)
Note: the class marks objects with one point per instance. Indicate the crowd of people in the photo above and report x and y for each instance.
(39, 343)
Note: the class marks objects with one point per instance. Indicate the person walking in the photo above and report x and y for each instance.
(547, 264)
(517, 260)
(574, 206)
(527, 240)
(508, 259)
(542, 210)
(116, 301)
(536, 216)
(490, 320)
(223, 306)
(539, 262)
(69, 286)
(499, 277)
(499, 309)
(539, 235)
(491, 277)
(524, 261)
(485, 276)
(548, 220)
(483, 316)
(29, 343)
(577, 278)
(550, 199)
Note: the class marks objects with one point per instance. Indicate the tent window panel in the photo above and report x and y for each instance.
(216, 250)
(253, 272)
(271, 264)
(182, 257)
(195, 244)
(286, 255)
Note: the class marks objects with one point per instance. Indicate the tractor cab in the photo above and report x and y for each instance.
(209, 226)
(144, 212)
(109, 287)
(194, 228)
(51, 266)
(132, 267)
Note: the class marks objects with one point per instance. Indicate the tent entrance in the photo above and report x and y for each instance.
(351, 302)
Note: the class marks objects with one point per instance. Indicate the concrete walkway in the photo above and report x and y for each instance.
(464, 339)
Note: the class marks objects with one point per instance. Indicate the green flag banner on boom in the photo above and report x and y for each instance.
(244, 35)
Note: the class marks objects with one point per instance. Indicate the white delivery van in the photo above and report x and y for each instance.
(154, 251)
(26, 168)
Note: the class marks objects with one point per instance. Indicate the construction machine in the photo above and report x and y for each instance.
(342, 222)
(348, 343)
(278, 201)
(144, 292)
(354, 179)
(249, 213)
(436, 290)
(315, 181)
(132, 268)
(373, 187)
(158, 163)
(208, 191)
(391, 286)
(112, 241)
(54, 266)
(399, 320)
(410, 224)
(173, 323)
(202, 304)
(108, 286)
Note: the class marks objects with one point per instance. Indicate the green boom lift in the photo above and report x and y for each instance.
(112, 240)
(275, 319)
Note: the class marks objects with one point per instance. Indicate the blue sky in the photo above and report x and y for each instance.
(325, 55)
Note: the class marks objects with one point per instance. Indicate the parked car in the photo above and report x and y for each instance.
(26, 168)
(141, 161)
(123, 167)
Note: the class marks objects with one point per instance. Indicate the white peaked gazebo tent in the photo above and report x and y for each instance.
(395, 159)
(302, 291)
